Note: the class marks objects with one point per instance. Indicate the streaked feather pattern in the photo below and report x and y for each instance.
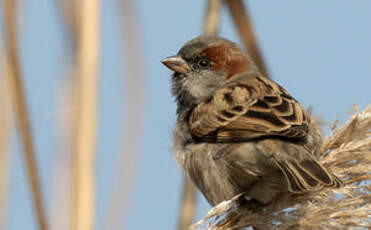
(246, 108)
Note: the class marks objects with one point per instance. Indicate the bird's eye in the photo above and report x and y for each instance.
(203, 63)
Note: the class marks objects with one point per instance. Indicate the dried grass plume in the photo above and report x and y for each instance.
(347, 153)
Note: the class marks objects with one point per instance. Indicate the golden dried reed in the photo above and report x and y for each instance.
(4, 139)
(83, 164)
(20, 111)
(212, 17)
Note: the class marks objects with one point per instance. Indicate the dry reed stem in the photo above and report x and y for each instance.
(18, 99)
(347, 132)
(188, 206)
(62, 158)
(67, 121)
(60, 201)
(134, 97)
(4, 139)
(187, 210)
(246, 31)
(348, 155)
(69, 9)
(82, 188)
(212, 17)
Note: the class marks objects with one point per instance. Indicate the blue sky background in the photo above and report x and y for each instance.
(318, 50)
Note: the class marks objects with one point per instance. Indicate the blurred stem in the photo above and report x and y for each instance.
(71, 17)
(134, 99)
(66, 135)
(18, 99)
(61, 181)
(212, 18)
(82, 186)
(4, 139)
(246, 31)
(188, 208)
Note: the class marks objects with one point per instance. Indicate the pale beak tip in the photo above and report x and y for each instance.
(176, 63)
(164, 60)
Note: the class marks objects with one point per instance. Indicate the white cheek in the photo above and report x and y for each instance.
(196, 89)
(202, 85)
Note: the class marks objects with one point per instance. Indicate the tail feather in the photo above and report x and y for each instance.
(307, 175)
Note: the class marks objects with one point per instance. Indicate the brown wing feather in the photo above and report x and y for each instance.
(306, 175)
(246, 108)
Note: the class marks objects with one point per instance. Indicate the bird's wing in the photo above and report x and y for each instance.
(246, 108)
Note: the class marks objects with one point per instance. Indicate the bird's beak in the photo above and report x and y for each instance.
(176, 64)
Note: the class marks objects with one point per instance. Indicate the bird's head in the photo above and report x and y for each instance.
(203, 65)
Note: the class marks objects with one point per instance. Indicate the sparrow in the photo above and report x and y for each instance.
(239, 132)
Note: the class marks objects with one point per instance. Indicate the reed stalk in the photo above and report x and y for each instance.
(4, 139)
(134, 98)
(245, 29)
(20, 111)
(83, 158)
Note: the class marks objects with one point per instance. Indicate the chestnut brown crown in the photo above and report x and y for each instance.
(214, 53)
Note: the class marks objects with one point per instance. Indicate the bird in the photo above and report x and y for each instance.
(237, 131)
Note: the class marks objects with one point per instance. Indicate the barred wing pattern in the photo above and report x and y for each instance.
(246, 108)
